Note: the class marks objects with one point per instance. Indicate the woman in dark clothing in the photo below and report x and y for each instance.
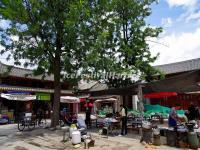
(87, 119)
(88, 108)
(192, 112)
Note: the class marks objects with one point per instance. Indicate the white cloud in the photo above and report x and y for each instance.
(190, 7)
(3, 57)
(179, 47)
(185, 3)
(14, 38)
(166, 22)
(4, 23)
(193, 16)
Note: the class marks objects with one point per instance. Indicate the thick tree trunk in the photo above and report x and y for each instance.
(57, 92)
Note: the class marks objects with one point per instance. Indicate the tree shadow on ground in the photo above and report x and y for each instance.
(37, 138)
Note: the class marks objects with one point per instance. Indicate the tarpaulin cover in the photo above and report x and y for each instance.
(134, 112)
(164, 111)
(156, 108)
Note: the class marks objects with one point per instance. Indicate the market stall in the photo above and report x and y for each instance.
(106, 106)
(12, 104)
(71, 100)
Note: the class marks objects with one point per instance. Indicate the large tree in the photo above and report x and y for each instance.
(78, 37)
(123, 44)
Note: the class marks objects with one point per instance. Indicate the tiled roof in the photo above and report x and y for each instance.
(84, 85)
(178, 67)
(30, 89)
(92, 86)
(21, 72)
(99, 87)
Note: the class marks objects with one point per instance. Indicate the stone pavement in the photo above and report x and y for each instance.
(45, 139)
(37, 139)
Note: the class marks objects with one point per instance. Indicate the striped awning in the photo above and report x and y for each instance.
(69, 99)
(19, 97)
(30, 89)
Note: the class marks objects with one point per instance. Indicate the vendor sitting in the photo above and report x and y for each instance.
(183, 118)
(81, 126)
(173, 117)
(107, 121)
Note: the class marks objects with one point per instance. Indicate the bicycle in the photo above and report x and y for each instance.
(61, 123)
(41, 122)
(26, 122)
(30, 123)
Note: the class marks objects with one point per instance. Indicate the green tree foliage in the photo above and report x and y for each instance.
(63, 37)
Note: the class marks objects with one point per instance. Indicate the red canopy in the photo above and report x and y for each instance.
(160, 95)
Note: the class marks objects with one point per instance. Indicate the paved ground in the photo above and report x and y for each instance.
(37, 139)
(45, 139)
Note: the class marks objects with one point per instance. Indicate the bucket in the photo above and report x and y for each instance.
(71, 130)
(183, 139)
(171, 138)
(146, 135)
(193, 140)
(76, 137)
(163, 132)
(163, 140)
(156, 140)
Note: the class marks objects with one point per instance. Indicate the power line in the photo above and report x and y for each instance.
(163, 44)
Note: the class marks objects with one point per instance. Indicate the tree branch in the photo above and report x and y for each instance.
(32, 20)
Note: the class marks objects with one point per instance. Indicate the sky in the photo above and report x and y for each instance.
(180, 39)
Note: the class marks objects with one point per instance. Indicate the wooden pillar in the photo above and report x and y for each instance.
(124, 100)
(140, 97)
(77, 111)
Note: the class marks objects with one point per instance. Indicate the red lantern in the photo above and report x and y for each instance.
(88, 105)
(82, 99)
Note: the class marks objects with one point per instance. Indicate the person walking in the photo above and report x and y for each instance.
(40, 115)
(88, 108)
(123, 113)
